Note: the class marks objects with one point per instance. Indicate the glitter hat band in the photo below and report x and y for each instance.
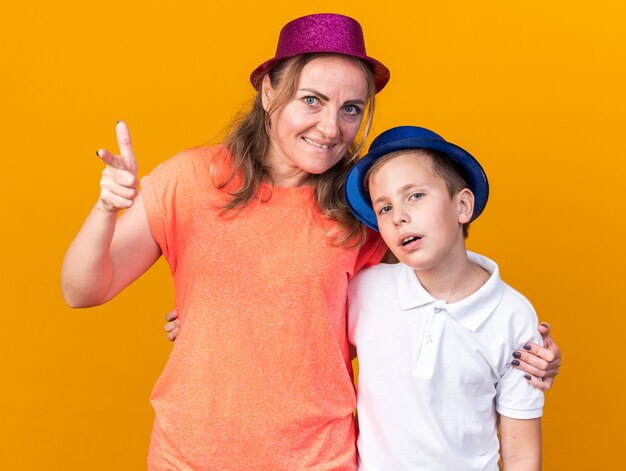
(322, 32)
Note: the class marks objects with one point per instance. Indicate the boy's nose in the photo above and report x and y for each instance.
(400, 217)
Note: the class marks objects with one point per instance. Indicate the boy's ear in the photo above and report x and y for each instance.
(266, 92)
(465, 205)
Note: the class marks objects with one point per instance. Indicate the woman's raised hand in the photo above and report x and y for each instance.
(109, 253)
(118, 186)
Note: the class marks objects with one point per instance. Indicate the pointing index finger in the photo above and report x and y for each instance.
(125, 145)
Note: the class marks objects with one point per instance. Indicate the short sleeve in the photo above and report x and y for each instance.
(170, 193)
(155, 211)
(515, 397)
(371, 252)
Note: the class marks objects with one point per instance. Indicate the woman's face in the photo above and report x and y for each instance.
(315, 128)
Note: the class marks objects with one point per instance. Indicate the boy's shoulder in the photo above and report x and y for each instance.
(514, 297)
(376, 277)
(510, 308)
(379, 272)
(516, 309)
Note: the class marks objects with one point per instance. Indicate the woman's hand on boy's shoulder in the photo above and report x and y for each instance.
(541, 363)
(172, 325)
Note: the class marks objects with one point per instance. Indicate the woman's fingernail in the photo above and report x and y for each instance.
(545, 324)
(97, 152)
(527, 377)
(517, 355)
(515, 363)
(527, 347)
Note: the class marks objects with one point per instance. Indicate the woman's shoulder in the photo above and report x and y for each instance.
(202, 156)
(196, 163)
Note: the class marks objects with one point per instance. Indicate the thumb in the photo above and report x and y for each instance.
(544, 330)
(112, 160)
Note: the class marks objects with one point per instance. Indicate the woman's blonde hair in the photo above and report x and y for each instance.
(247, 141)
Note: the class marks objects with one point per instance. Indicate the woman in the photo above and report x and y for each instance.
(261, 246)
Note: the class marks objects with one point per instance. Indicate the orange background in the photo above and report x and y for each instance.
(534, 89)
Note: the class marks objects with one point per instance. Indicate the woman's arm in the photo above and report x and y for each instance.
(109, 253)
(520, 443)
(540, 363)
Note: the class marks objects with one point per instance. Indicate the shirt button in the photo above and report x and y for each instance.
(429, 339)
(438, 309)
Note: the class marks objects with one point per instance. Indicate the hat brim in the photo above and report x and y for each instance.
(381, 73)
(358, 198)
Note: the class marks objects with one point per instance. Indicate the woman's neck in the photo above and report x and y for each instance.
(285, 174)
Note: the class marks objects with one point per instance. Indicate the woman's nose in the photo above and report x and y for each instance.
(327, 124)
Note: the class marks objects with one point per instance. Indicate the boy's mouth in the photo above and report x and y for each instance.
(409, 239)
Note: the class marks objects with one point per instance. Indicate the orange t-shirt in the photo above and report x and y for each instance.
(259, 377)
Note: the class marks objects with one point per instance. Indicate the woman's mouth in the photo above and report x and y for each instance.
(318, 144)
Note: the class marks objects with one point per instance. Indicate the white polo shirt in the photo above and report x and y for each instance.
(433, 375)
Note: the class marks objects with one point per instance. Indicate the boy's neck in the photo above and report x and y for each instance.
(453, 280)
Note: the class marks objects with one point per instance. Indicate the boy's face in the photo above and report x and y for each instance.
(417, 218)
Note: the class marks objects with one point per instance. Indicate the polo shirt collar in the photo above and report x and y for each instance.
(471, 311)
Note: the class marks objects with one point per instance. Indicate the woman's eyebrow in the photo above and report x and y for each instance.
(355, 102)
(325, 98)
(315, 92)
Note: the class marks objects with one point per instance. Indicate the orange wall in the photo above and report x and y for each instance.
(534, 89)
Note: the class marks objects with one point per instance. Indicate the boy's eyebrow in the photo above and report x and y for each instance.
(379, 200)
(402, 189)
(325, 98)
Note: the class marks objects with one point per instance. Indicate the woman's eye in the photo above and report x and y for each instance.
(310, 100)
(352, 109)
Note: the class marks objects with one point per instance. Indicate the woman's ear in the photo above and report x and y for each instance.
(465, 205)
(267, 92)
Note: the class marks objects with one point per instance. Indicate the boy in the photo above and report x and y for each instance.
(434, 333)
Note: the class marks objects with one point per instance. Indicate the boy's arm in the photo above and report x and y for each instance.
(520, 442)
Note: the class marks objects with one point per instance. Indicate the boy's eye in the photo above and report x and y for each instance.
(385, 209)
(416, 196)
(310, 100)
